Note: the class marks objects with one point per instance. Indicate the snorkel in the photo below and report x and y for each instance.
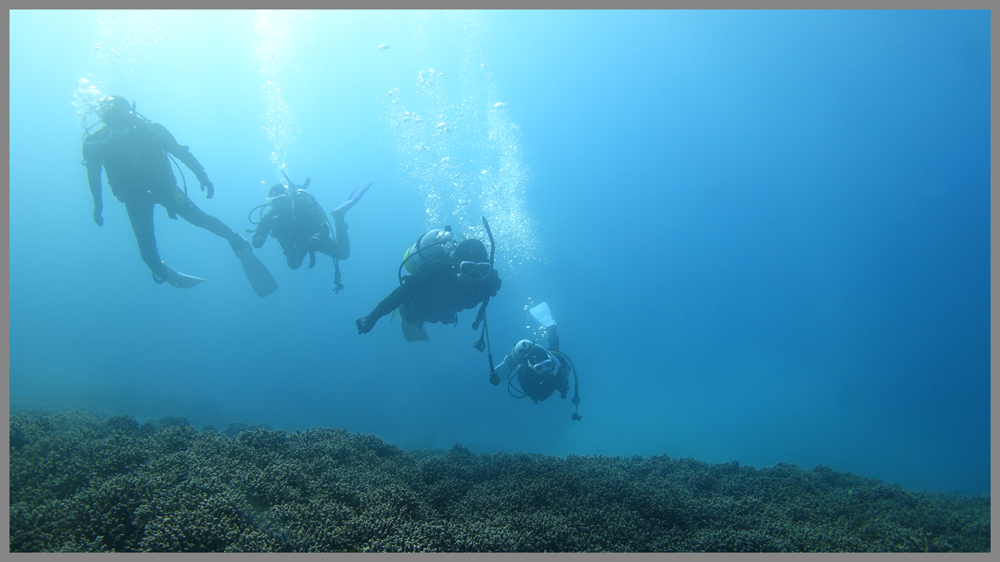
(493, 245)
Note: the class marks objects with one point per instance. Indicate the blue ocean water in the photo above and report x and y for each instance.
(764, 235)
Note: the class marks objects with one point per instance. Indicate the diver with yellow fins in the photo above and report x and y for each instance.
(446, 276)
(540, 370)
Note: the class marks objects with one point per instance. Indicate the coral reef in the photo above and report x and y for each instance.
(83, 483)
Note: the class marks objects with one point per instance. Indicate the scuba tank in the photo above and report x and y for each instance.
(430, 246)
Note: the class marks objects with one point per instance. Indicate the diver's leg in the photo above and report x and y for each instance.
(140, 214)
(326, 245)
(175, 200)
(256, 272)
(342, 250)
(294, 253)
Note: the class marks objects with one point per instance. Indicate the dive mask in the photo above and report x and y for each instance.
(482, 268)
(544, 367)
(277, 192)
(534, 356)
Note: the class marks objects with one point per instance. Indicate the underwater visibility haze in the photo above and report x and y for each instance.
(764, 236)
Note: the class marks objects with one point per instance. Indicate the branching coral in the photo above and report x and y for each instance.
(82, 483)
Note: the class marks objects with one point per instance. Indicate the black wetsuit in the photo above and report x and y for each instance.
(301, 229)
(140, 175)
(540, 386)
(434, 294)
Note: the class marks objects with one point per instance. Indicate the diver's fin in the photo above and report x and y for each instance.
(257, 274)
(180, 280)
(352, 200)
(543, 315)
(412, 333)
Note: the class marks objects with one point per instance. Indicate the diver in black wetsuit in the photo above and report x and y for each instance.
(134, 152)
(539, 370)
(445, 279)
(299, 224)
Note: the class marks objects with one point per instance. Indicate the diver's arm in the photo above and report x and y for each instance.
(494, 283)
(94, 162)
(553, 338)
(491, 288)
(183, 153)
(503, 369)
(263, 229)
(387, 305)
(562, 381)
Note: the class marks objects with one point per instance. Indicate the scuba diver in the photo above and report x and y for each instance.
(300, 225)
(540, 371)
(446, 277)
(134, 151)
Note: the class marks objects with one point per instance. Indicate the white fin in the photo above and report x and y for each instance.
(542, 313)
